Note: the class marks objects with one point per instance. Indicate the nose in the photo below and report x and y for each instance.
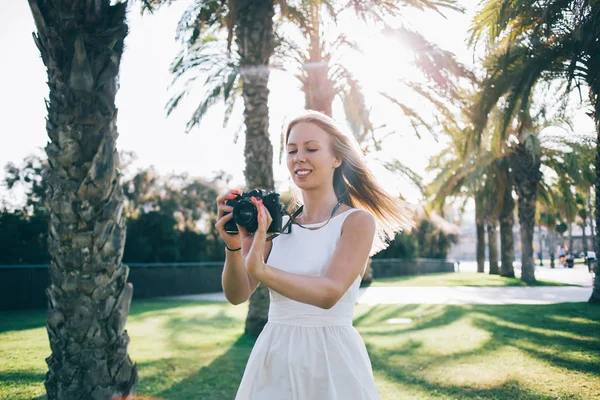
(298, 158)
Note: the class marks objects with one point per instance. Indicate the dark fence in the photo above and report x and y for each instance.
(23, 286)
(386, 267)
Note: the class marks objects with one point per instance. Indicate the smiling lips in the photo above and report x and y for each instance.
(301, 173)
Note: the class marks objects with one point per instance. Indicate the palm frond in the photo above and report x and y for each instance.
(413, 116)
(396, 166)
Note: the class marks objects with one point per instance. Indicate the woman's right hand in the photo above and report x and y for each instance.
(232, 241)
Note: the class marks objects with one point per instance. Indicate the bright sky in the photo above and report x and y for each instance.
(161, 141)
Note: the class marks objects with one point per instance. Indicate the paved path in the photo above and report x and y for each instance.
(472, 295)
(579, 275)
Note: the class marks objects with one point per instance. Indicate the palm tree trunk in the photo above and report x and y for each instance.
(480, 224)
(591, 215)
(492, 230)
(541, 246)
(584, 237)
(526, 167)
(552, 246)
(81, 44)
(317, 86)
(570, 237)
(507, 221)
(594, 96)
(254, 39)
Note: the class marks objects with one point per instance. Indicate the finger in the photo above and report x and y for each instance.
(222, 198)
(243, 231)
(220, 225)
(222, 209)
(269, 219)
(231, 194)
(262, 216)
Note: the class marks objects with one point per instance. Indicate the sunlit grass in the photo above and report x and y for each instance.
(458, 279)
(192, 350)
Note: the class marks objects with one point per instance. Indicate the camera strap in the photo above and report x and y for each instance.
(288, 224)
(299, 210)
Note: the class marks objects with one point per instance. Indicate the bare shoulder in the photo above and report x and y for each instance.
(360, 220)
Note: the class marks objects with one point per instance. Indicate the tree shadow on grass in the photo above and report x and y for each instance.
(424, 316)
(541, 335)
(556, 334)
(20, 320)
(408, 376)
(217, 381)
(22, 377)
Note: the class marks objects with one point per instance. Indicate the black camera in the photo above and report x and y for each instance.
(245, 213)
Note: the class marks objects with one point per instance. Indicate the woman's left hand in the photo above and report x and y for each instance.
(253, 244)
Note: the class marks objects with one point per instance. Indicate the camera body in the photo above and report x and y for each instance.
(245, 213)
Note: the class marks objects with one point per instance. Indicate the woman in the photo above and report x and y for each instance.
(309, 349)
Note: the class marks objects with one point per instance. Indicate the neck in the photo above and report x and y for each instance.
(318, 204)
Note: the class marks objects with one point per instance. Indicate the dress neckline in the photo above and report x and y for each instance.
(322, 222)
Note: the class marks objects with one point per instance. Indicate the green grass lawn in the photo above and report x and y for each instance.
(196, 350)
(458, 279)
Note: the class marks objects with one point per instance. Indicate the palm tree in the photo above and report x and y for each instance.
(579, 167)
(480, 173)
(208, 30)
(531, 40)
(548, 219)
(582, 213)
(314, 59)
(254, 39)
(507, 221)
(81, 44)
(459, 176)
(567, 207)
(248, 24)
(492, 210)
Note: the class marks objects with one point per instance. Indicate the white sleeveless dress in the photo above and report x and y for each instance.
(305, 352)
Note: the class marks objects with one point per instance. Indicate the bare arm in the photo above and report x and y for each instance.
(237, 284)
(347, 263)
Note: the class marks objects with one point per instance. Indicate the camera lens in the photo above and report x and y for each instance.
(244, 212)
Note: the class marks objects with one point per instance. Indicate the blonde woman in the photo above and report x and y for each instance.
(309, 349)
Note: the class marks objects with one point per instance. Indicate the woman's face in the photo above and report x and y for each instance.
(309, 157)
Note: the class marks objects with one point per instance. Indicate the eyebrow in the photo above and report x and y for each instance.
(308, 141)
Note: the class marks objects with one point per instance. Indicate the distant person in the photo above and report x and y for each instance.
(309, 349)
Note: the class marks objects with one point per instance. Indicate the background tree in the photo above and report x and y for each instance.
(530, 41)
(208, 30)
(81, 44)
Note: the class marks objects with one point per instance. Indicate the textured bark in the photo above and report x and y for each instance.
(507, 221)
(526, 167)
(480, 225)
(81, 44)
(318, 88)
(570, 237)
(595, 98)
(552, 246)
(595, 297)
(591, 215)
(593, 64)
(584, 238)
(541, 246)
(492, 231)
(254, 39)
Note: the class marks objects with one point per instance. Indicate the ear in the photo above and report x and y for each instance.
(337, 162)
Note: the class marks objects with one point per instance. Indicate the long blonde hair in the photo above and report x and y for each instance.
(355, 184)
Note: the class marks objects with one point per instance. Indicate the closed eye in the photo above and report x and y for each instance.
(295, 151)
